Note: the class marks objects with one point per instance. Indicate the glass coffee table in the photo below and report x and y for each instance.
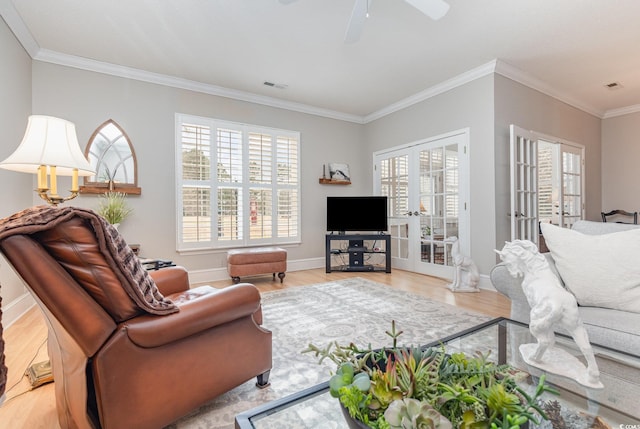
(616, 406)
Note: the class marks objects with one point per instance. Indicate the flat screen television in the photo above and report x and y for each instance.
(356, 214)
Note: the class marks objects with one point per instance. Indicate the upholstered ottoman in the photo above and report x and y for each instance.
(256, 260)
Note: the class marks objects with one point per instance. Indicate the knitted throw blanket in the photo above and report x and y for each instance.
(134, 278)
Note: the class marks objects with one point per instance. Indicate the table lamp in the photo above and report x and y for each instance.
(50, 149)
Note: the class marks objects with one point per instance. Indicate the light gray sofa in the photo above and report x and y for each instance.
(616, 329)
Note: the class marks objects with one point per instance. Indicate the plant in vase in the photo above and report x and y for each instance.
(406, 387)
(113, 207)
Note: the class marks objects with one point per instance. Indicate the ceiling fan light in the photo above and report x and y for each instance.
(434, 9)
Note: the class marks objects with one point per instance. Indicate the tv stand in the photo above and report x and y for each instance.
(356, 250)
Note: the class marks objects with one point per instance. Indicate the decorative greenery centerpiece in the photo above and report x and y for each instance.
(405, 388)
(113, 207)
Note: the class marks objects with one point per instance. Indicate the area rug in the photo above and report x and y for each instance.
(357, 310)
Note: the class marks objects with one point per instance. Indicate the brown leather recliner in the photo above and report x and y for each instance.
(117, 366)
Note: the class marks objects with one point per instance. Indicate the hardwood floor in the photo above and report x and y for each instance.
(35, 409)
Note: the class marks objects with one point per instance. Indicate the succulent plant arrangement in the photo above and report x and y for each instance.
(412, 388)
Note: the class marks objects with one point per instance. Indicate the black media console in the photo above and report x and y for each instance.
(358, 252)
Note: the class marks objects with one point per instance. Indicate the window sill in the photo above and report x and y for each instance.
(213, 250)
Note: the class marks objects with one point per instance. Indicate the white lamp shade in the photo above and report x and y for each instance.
(52, 142)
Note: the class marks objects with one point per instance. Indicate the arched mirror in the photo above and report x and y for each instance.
(111, 154)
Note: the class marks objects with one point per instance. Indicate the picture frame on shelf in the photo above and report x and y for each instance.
(339, 172)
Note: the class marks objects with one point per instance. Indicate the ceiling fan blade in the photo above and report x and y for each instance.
(356, 22)
(434, 9)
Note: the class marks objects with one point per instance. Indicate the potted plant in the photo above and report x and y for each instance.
(113, 207)
(406, 387)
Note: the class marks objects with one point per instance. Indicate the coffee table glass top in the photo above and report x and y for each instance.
(617, 405)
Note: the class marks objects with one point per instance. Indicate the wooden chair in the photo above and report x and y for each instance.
(620, 213)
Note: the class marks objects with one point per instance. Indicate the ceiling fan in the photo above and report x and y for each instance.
(434, 9)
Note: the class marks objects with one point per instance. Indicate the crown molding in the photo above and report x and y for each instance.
(26, 39)
(621, 111)
(459, 80)
(53, 57)
(495, 66)
(17, 26)
(526, 79)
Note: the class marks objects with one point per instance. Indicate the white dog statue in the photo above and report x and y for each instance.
(551, 305)
(465, 275)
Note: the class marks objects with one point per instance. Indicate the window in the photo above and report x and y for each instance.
(111, 154)
(237, 184)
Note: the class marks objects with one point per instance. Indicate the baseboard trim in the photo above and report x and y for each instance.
(16, 308)
(218, 274)
(485, 283)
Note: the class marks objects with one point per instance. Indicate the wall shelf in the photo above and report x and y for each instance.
(333, 182)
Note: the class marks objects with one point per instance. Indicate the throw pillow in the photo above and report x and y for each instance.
(600, 270)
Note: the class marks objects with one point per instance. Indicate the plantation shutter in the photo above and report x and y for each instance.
(238, 184)
(230, 226)
(196, 189)
(260, 191)
(288, 203)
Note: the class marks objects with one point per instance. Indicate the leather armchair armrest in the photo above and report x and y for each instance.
(171, 280)
(201, 308)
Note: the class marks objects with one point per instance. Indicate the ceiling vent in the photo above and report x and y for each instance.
(613, 85)
(275, 85)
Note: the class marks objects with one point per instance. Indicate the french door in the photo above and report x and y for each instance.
(547, 183)
(426, 184)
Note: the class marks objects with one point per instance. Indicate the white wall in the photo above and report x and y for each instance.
(621, 163)
(16, 192)
(146, 112)
(470, 105)
(532, 110)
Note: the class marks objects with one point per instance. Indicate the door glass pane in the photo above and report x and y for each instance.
(547, 188)
(437, 156)
(394, 184)
(524, 216)
(451, 206)
(571, 186)
(439, 201)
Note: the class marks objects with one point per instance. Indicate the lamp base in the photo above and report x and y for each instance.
(39, 374)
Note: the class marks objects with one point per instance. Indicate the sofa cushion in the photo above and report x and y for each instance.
(600, 270)
(616, 329)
